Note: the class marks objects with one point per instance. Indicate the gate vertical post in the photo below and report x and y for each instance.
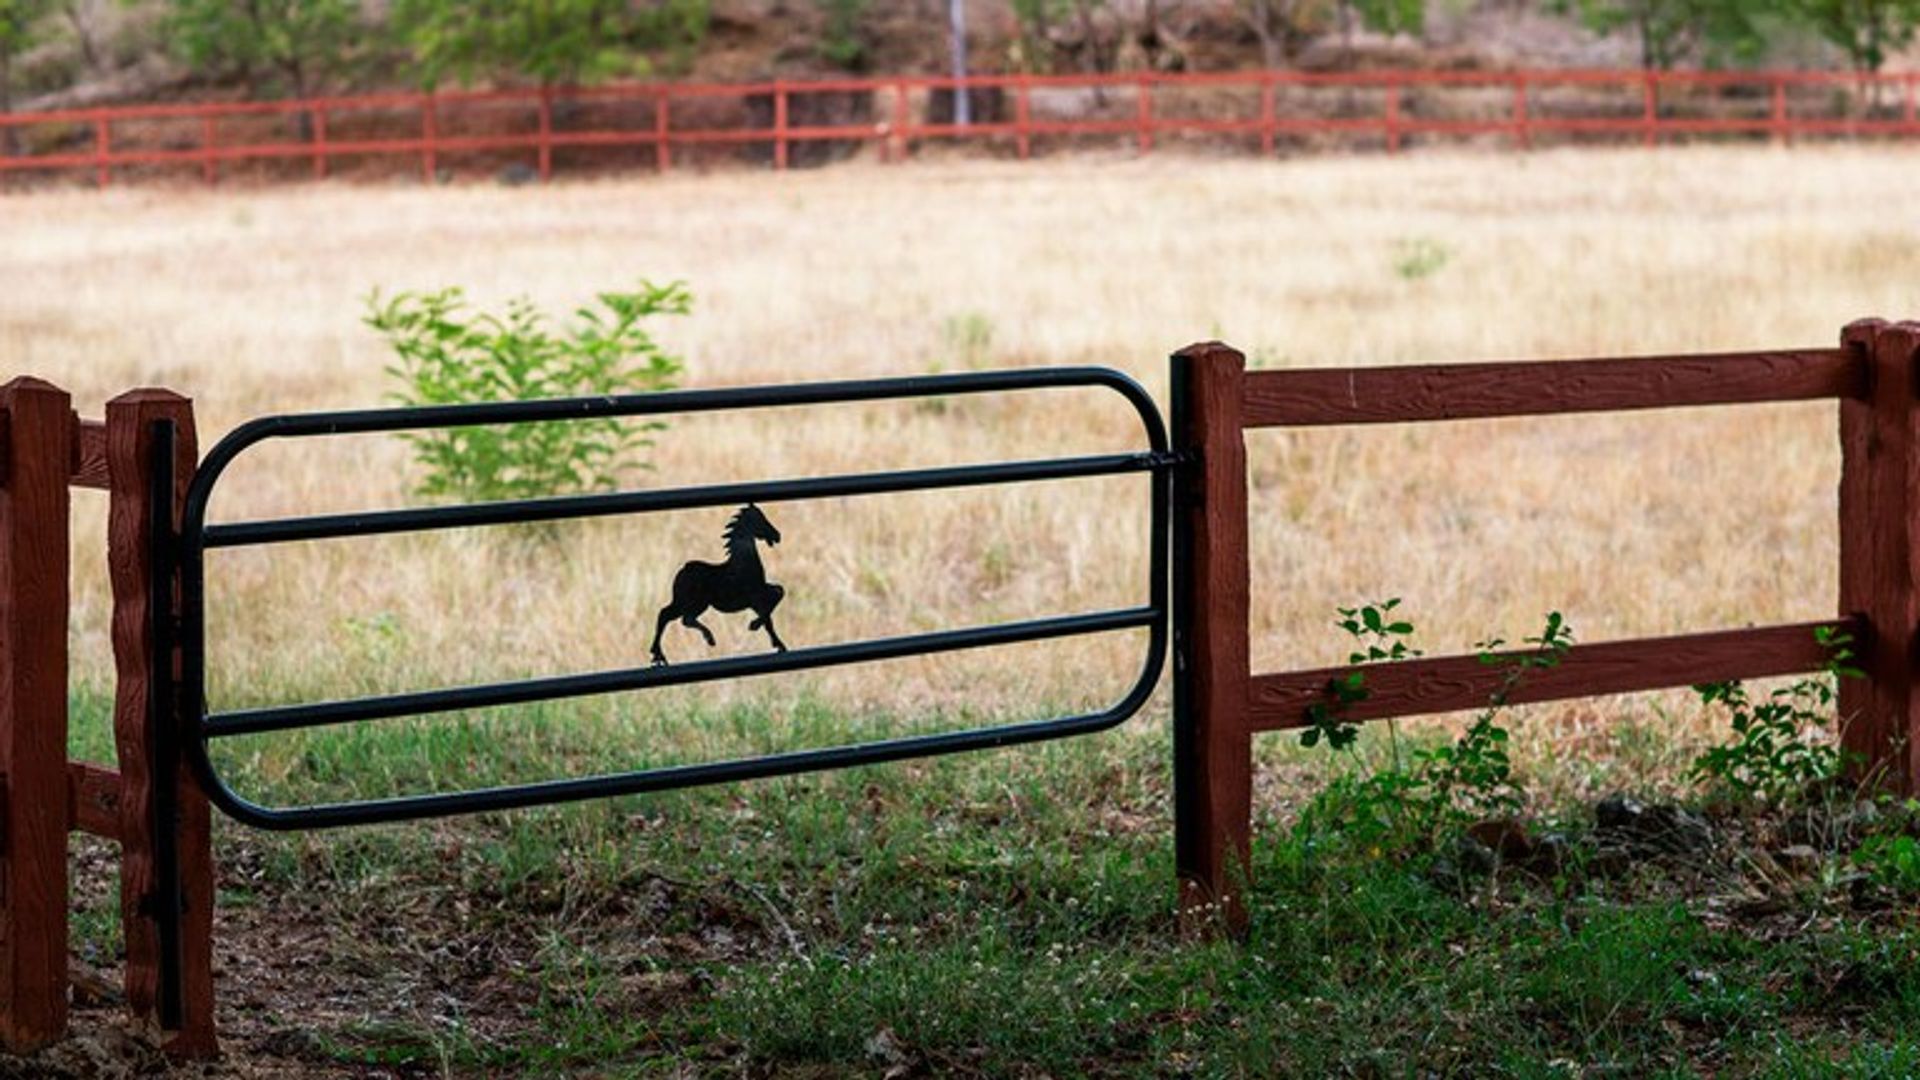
(1212, 753)
(34, 555)
(1880, 552)
(145, 796)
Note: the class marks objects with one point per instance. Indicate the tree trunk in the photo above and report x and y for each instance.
(88, 51)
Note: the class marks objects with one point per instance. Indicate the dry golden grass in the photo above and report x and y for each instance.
(249, 301)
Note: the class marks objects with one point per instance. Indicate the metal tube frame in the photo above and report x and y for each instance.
(196, 537)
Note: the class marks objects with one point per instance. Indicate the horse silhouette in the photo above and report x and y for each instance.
(739, 584)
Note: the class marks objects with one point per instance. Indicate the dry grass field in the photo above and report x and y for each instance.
(957, 917)
(250, 302)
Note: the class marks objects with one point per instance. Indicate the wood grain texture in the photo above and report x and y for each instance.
(1458, 683)
(1388, 395)
(90, 454)
(1879, 516)
(34, 568)
(1213, 787)
(93, 800)
(130, 419)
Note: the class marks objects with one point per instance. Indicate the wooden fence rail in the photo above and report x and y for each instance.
(1388, 109)
(1220, 704)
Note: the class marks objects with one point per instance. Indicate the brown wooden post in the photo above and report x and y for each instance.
(130, 421)
(1213, 745)
(1880, 551)
(34, 554)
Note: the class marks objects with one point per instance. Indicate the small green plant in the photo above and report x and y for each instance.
(1420, 258)
(1775, 753)
(446, 354)
(1892, 860)
(1379, 635)
(1474, 776)
(969, 339)
(1401, 804)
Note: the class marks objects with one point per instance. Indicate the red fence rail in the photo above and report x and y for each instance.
(772, 122)
(1220, 704)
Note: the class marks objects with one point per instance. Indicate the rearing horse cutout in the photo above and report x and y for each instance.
(739, 584)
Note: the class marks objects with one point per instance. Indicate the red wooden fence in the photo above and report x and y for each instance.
(1387, 109)
(1224, 704)
(47, 450)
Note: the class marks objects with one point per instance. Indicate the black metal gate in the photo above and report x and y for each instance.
(197, 537)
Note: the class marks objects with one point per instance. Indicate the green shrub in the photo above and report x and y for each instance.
(446, 354)
(1775, 752)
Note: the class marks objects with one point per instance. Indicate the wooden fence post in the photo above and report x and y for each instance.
(34, 554)
(1880, 551)
(1212, 754)
(130, 422)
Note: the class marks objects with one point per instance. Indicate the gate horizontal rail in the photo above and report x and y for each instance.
(197, 537)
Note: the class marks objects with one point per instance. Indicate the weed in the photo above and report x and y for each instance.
(968, 338)
(1774, 754)
(1420, 258)
(446, 356)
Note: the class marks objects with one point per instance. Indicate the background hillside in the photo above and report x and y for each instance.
(61, 53)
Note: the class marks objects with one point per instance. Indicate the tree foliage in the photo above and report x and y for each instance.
(303, 44)
(1672, 32)
(550, 41)
(1868, 31)
(19, 21)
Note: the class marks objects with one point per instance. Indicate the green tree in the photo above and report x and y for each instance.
(301, 44)
(1721, 32)
(1389, 16)
(550, 41)
(19, 30)
(843, 41)
(1868, 31)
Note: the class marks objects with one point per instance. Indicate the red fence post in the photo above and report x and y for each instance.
(1023, 116)
(1392, 120)
(546, 134)
(1213, 744)
(319, 142)
(429, 138)
(662, 116)
(102, 147)
(779, 125)
(1650, 109)
(1267, 122)
(1781, 131)
(34, 556)
(1143, 115)
(1522, 119)
(209, 165)
(1880, 551)
(130, 421)
(902, 118)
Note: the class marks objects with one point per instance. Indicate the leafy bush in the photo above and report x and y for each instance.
(448, 355)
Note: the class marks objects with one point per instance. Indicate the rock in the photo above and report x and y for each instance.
(518, 174)
(1618, 811)
(1475, 858)
(1674, 829)
(1551, 854)
(1504, 837)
